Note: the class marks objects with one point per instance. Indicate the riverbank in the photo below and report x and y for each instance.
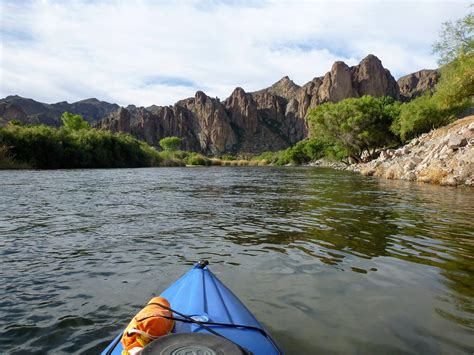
(444, 156)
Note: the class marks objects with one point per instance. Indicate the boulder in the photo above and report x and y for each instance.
(410, 176)
(401, 151)
(412, 163)
(386, 154)
(456, 141)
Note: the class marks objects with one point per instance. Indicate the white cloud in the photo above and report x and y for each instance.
(53, 50)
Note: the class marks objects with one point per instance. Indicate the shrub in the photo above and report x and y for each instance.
(74, 122)
(301, 153)
(269, 156)
(197, 159)
(170, 144)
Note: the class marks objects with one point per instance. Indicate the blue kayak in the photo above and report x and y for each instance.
(204, 307)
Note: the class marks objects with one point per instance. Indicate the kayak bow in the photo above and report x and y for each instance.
(203, 305)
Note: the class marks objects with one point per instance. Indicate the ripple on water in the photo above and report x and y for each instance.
(329, 261)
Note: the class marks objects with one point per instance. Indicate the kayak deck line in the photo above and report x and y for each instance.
(191, 320)
(200, 303)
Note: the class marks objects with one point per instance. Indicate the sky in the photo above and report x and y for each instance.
(158, 52)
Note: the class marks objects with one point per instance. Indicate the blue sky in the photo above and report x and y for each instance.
(157, 52)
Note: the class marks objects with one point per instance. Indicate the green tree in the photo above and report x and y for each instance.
(455, 90)
(170, 144)
(456, 38)
(302, 152)
(74, 122)
(354, 126)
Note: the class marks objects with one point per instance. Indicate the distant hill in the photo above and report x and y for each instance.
(34, 112)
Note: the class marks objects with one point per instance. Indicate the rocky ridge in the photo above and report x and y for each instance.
(443, 156)
(29, 111)
(269, 119)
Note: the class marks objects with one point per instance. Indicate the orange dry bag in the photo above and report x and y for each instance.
(147, 326)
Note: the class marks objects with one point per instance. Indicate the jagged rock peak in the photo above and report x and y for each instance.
(238, 91)
(200, 96)
(339, 65)
(238, 97)
(371, 78)
(285, 87)
(285, 81)
(371, 58)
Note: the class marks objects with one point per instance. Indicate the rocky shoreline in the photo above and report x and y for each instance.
(444, 156)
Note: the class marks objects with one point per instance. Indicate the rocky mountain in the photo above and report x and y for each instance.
(415, 84)
(342, 82)
(33, 112)
(246, 122)
(269, 119)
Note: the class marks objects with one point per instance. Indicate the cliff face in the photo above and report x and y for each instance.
(416, 84)
(270, 119)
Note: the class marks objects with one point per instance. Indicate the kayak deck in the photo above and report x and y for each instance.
(201, 295)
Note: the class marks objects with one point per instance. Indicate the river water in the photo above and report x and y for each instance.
(328, 261)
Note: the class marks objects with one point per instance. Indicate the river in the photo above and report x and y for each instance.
(328, 261)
